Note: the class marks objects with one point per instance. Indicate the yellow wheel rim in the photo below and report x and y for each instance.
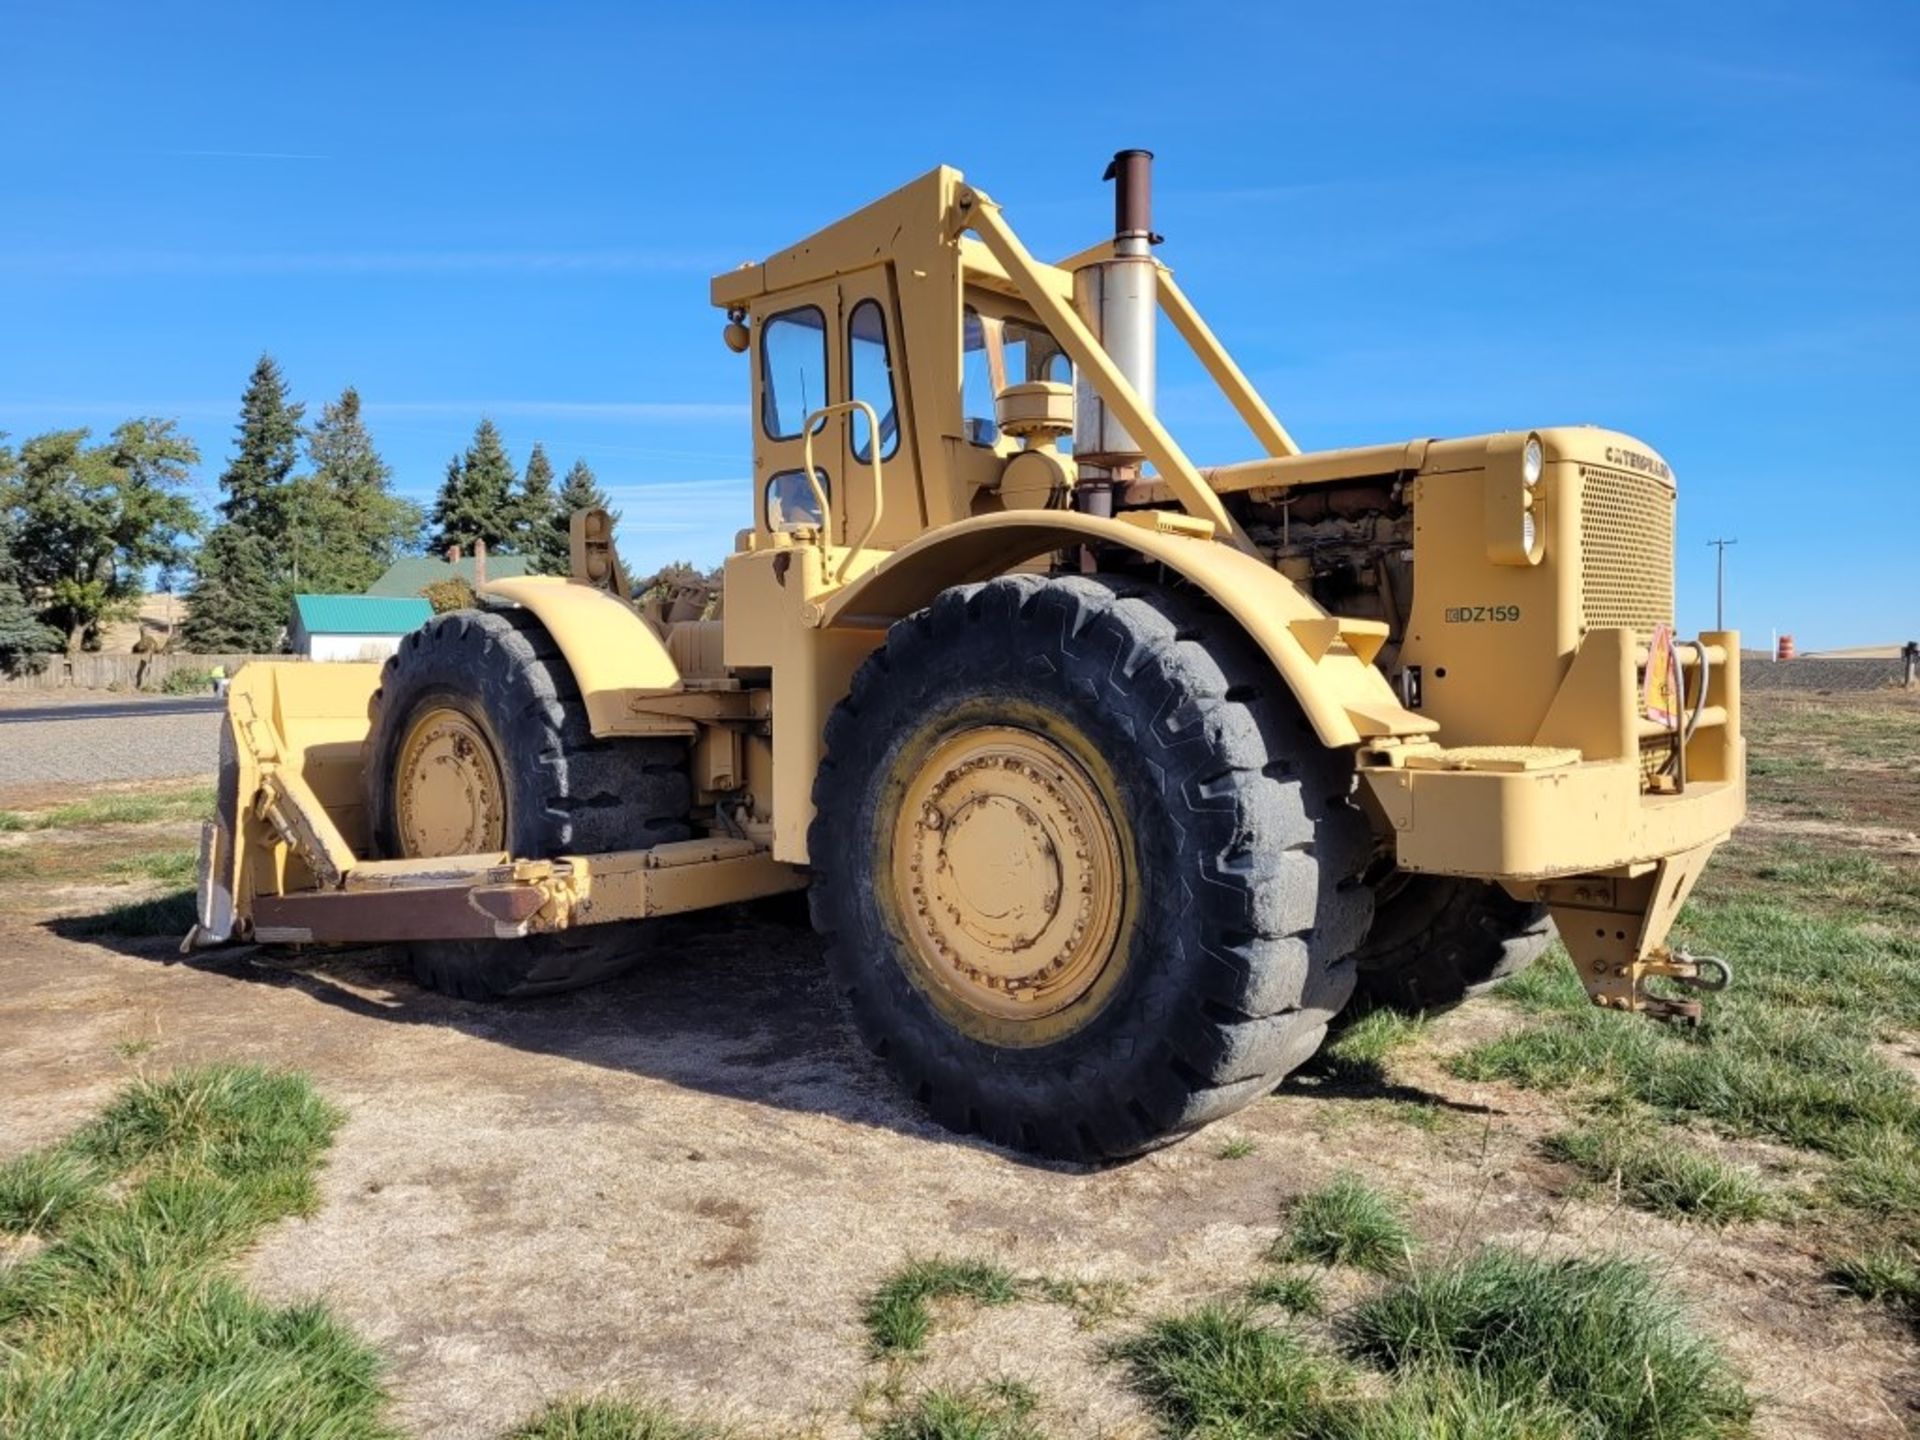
(1010, 883)
(449, 796)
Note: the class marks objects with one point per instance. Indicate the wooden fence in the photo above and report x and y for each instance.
(87, 671)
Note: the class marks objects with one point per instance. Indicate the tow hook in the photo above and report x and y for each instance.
(1707, 974)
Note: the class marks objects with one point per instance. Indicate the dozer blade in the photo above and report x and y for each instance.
(279, 861)
(288, 809)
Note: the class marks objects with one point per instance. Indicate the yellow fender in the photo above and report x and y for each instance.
(1326, 661)
(614, 655)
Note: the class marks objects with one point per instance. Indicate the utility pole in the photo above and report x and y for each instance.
(1720, 583)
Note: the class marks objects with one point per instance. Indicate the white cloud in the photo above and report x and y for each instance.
(240, 155)
(568, 409)
(356, 262)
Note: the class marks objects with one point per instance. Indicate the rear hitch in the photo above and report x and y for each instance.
(1615, 927)
(1708, 974)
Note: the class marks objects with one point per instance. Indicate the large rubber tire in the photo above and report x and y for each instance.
(1247, 846)
(1437, 940)
(567, 793)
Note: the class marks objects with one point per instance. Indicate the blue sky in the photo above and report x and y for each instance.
(1695, 223)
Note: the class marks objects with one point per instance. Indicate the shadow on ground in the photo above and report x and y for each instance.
(732, 1002)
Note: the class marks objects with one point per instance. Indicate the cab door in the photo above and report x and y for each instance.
(873, 363)
(799, 366)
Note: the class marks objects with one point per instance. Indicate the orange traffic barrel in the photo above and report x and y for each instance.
(1785, 651)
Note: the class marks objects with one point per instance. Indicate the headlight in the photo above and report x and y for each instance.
(1516, 528)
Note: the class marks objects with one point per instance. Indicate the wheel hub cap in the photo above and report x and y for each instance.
(448, 795)
(1007, 866)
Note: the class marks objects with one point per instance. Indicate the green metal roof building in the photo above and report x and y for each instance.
(413, 573)
(353, 627)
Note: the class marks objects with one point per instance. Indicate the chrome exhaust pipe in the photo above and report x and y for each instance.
(1119, 301)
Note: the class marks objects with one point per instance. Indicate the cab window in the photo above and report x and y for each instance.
(997, 353)
(872, 371)
(793, 371)
(790, 501)
(976, 381)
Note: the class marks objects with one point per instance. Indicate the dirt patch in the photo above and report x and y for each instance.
(684, 1184)
(1878, 839)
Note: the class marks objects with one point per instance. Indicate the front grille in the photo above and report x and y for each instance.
(1626, 550)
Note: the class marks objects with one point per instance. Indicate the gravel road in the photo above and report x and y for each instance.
(81, 748)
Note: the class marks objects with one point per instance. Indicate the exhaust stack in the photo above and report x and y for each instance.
(1118, 299)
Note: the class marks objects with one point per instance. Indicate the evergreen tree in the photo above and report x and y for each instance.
(540, 527)
(21, 633)
(580, 491)
(449, 506)
(268, 448)
(247, 571)
(351, 526)
(476, 500)
(238, 602)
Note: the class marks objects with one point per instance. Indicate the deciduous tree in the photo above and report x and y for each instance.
(90, 520)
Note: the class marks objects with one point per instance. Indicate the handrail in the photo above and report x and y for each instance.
(815, 422)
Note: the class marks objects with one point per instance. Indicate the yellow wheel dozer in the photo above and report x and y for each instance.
(1112, 778)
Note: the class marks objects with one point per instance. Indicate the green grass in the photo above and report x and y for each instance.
(127, 1324)
(45, 1189)
(1217, 1372)
(162, 915)
(1094, 1303)
(1783, 1075)
(1358, 1054)
(1879, 1172)
(1449, 1403)
(1347, 1222)
(609, 1420)
(167, 867)
(1502, 1346)
(1826, 955)
(1296, 1294)
(1653, 1168)
(898, 1315)
(1890, 1273)
(1849, 879)
(1238, 1148)
(196, 681)
(1786, 1054)
(1545, 986)
(1599, 1338)
(998, 1410)
(1766, 767)
(140, 808)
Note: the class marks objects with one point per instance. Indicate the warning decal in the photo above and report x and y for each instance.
(1664, 700)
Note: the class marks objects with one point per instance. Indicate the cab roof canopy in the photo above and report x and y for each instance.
(909, 226)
